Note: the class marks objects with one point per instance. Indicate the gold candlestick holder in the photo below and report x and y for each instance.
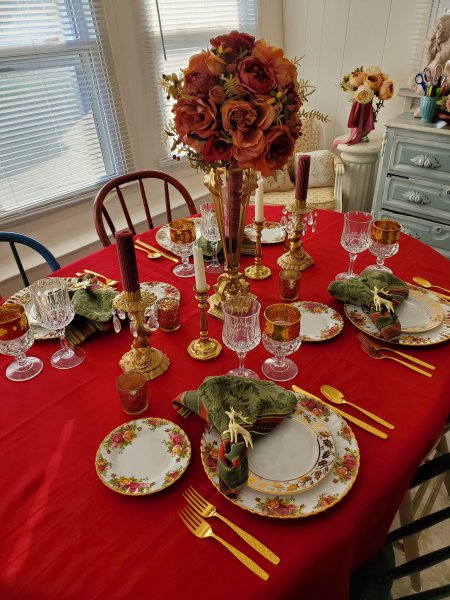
(141, 357)
(296, 258)
(203, 348)
(258, 270)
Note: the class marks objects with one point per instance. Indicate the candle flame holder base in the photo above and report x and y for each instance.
(141, 357)
(297, 259)
(258, 271)
(204, 348)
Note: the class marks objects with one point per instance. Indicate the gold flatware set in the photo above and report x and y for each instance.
(153, 252)
(107, 282)
(193, 517)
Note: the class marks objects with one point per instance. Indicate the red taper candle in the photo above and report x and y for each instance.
(127, 260)
(302, 178)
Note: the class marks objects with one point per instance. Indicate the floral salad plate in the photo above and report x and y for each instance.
(163, 234)
(328, 492)
(319, 322)
(296, 455)
(160, 289)
(143, 457)
(438, 334)
(272, 233)
(419, 312)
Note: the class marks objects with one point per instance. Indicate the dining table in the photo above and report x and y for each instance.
(64, 534)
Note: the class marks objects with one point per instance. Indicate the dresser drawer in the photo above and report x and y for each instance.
(418, 197)
(420, 158)
(432, 234)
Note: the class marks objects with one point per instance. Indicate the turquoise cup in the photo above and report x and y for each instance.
(428, 109)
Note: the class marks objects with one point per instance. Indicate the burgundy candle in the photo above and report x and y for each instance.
(127, 260)
(302, 178)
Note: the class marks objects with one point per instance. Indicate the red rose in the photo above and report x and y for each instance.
(279, 146)
(216, 149)
(233, 43)
(255, 76)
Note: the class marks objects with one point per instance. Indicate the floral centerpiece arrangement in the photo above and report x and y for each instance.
(363, 86)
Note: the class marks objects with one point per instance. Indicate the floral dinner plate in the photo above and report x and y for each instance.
(419, 312)
(272, 233)
(438, 334)
(324, 495)
(143, 457)
(319, 322)
(295, 457)
(160, 289)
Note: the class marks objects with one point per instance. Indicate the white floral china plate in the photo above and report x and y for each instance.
(143, 457)
(438, 334)
(160, 289)
(25, 298)
(163, 234)
(419, 312)
(295, 457)
(272, 233)
(328, 492)
(319, 322)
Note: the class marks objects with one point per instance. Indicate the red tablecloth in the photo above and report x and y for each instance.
(64, 534)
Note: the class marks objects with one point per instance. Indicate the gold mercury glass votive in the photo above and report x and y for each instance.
(282, 322)
(385, 231)
(182, 231)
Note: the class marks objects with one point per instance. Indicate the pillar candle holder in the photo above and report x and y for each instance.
(297, 259)
(258, 271)
(203, 348)
(141, 357)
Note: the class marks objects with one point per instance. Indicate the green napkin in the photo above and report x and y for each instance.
(93, 312)
(258, 405)
(390, 292)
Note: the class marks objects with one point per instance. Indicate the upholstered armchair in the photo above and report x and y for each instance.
(325, 178)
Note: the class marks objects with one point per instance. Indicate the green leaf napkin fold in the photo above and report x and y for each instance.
(93, 307)
(360, 290)
(262, 404)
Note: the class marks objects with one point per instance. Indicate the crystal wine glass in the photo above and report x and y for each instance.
(15, 339)
(281, 337)
(54, 311)
(355, 238)
(182, 237)
(384, 236)
(241, 331)
(211, 233)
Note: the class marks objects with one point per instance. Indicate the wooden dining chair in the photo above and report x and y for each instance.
(18, 238)
(115, 187)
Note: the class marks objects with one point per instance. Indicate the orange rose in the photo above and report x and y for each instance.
(197, 76)
(195, 117)
(279, 145)
(386, 90)
(373, 81)
(217, 94)
(215, 64)
(285, 70)
(247, 146)
(129, 435)
(238, 114)
(356, 79)
(266, 116)
(256, 76)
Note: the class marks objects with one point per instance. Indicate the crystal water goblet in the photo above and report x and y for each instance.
(241, 330)
(182, 237)
(281, 337)
(16, 338)
(211, 233)
(355, 238)
(384, 236)
(55, 311)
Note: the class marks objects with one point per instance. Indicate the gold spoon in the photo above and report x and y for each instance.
(337, 397)
(426, 284)
(150, 254)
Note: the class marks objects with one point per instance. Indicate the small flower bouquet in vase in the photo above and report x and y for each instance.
(363, 86)
(235, 114)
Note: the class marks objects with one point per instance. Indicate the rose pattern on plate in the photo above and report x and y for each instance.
(177, 444)
(103, 465)
(129, 484)
(282, 507)
(345, 466)
(210, 457)
(171, 477)
(326, 500)
(317, 408)
(121, 437)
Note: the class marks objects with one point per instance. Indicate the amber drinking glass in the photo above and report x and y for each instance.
(384, 238)
(15, 339)
(182, 238)
(281, 337)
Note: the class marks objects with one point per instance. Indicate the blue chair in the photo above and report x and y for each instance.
(17, 238)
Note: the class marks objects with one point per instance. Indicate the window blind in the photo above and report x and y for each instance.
(62, 131)
(174, 30)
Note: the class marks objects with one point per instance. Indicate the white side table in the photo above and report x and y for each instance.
(360, 162)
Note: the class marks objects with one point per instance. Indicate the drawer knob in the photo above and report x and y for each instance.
(417, 197)
(426, 161)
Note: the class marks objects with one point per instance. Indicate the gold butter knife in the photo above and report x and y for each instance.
(140, 242)
(345, 415)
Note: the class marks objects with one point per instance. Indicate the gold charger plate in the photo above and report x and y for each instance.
(328, 492)
(437, 335)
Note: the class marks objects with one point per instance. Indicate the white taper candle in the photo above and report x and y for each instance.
(199, 267)
(259, 202)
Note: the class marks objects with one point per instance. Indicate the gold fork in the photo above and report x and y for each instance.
(377, 346)
(201, 529)
(206, 509)
(108, 281)
(379, 355)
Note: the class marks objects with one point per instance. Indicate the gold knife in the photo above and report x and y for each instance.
(138, 241)
(345, 415)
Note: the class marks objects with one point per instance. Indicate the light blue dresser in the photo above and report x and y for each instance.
(413, 181)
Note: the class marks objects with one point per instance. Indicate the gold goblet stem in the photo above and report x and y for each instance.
(257, 270)
(203, 348)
